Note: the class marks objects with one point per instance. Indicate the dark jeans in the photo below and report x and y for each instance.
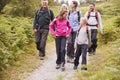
(60, 49)
(94, 40)
(70, 45)
(81, 49)
(40, 38)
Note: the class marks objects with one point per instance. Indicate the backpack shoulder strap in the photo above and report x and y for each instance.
(78, 13)
(69, 14)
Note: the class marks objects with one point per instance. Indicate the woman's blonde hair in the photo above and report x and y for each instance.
(83, 21)
(64, 5)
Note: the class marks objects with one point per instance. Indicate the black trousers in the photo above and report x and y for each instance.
(40, 38)
(70, 45)
(81, 49)
(60, 49)
(94, 40)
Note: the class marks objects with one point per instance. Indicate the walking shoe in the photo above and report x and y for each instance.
(75, 67)
(84, 69)
(90, 53)
(58, 66)
(63, 67)
(41, 58)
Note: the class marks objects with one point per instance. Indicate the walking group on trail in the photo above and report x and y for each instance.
(74, 35)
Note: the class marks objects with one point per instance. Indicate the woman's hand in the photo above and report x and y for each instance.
(35, 30)
(67, 36)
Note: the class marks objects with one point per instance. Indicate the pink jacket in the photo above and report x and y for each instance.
(62, 27)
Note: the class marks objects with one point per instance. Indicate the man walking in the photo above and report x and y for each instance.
(74, 18)
(42, 19)
(94, 19)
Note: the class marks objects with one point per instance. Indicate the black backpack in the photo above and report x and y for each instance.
(78, 13)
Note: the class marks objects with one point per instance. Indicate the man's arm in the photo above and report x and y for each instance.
(35, 20)
(52, 15)
(100, 23)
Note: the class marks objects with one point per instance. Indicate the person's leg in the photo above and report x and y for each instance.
(43, 42)
(84, 56)
(73, 41)
(94, 40)
(58, 44)
(63, 44)
(77, 56)
(38, 40)
(90, 50)
(69, 41)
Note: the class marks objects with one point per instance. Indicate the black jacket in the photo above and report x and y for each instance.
(42, 19)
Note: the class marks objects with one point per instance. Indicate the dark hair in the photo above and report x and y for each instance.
(60, 16)
(75, 2)
(92, 4)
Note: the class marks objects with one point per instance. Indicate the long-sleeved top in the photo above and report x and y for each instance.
(93, 21)
(62, 27)
(42, 18)
(73, 19)
(83, 36)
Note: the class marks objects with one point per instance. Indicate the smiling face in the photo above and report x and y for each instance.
(92, 7)
(44, 3)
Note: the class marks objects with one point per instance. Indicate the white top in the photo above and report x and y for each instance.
(93, 21)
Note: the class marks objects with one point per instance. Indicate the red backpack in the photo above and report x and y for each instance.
(96, 16)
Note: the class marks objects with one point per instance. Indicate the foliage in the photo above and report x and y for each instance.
(3, 3)
(15, 34)
(22, 7)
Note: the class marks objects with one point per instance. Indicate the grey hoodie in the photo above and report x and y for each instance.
(83, 37)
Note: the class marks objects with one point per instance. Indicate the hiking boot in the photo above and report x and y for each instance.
(63, 67)
(90, 53)
(85, 69)
(58, 66)
(75, 67)
(41, 58)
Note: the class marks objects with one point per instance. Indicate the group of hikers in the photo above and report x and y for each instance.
(74, 35)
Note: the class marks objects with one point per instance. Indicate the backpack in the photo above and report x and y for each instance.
(96, 16)
(49, 12)
(78, 14)
(86, 31)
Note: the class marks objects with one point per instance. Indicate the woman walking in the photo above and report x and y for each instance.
(61, 32)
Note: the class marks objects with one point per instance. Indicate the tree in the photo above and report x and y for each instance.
(22, 7)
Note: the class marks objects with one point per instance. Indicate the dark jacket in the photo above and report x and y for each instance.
(42, 19)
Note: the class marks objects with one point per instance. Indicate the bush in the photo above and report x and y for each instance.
(15, 34)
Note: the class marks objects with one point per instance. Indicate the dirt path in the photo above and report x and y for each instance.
(48, 72)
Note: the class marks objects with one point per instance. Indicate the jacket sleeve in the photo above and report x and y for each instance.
(51, 27)
(100, 22)
(35, 21)
(69, 28)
